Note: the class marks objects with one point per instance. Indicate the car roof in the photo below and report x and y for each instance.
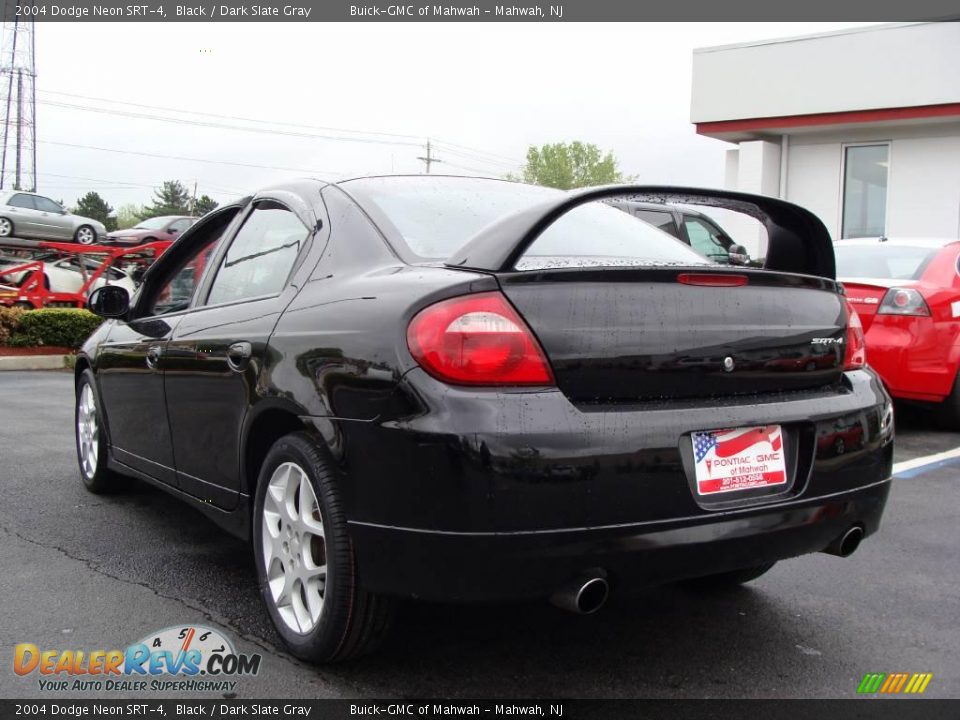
(923, 242)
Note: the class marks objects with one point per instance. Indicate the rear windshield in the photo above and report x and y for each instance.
(436, 216)
(895, 262)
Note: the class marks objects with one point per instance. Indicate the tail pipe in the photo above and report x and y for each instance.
(847, 543)
(583, 596)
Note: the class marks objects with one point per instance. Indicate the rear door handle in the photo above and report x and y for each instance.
(238, 355)
(154, 352)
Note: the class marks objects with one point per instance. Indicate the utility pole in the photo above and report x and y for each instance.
(429, 159)
(193, 200)
(18, 157)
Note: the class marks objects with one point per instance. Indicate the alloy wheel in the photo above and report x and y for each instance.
(6, 228)
(85, 236)
(88, 432)
(294, 548)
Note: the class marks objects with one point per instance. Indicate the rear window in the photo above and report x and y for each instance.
(894, 262)
(436, 216)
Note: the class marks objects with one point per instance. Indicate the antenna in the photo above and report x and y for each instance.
(18, 158)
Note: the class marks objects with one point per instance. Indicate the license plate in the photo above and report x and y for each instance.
(739, 459)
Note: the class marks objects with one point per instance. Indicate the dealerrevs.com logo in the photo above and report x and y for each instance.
(188, 658)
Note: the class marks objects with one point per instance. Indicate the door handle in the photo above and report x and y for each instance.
(153, 356)
(238, 356)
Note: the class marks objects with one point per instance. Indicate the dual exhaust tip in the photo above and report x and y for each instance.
(588, 593)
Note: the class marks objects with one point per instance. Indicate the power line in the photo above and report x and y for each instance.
(429, 159)
(478, 154)
(164, 156)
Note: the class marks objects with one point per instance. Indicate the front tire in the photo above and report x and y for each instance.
(727, 580)
(85, 235)
(6, 227)
(304, 558)
(91, 438)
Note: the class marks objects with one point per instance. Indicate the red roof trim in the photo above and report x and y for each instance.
(833, 118)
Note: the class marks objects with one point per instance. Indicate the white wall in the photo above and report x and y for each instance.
(887, 66)
(923, 185)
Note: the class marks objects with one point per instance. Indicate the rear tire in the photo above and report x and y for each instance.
(730, 579)
(948, 413)
(6, 227)
(321, 615)
(91, 439)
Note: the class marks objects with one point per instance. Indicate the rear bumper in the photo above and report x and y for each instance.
(496, 495)
(915, 356)
(477, 567)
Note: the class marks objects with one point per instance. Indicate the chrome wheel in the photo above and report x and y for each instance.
(86, 236)
(88, 432)
(6, 228)
(294, 548)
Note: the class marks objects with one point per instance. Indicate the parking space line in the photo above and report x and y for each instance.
(917, 466)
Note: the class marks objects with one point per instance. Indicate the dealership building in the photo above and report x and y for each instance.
(861, 126)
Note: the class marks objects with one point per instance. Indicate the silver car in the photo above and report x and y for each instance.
(29, 215)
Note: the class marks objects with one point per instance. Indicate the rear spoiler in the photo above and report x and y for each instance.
(797, 240)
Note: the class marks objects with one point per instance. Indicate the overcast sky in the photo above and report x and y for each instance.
(489, 89)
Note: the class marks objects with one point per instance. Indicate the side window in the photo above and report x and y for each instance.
(47, 205)
(174, 290)
(662, 220)
(705, 241)
(22, 201)
(179, 225)
(261, 255)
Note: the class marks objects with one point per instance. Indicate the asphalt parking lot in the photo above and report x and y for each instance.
(81, 571)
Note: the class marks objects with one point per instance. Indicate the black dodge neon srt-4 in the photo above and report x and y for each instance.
(473, 390)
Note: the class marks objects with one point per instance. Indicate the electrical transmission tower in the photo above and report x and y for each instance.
(18, 102)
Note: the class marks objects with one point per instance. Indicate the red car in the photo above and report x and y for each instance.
(907, 294)
(166, 227)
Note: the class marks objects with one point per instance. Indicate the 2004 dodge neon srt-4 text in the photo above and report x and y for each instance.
(474, 390)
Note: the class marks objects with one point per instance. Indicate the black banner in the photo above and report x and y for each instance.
(862, 709)
(474, 11)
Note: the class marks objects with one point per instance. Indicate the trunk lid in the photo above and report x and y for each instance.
(632, 334)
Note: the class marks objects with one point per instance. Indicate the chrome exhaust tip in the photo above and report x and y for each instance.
(583, 596)
(846, 544)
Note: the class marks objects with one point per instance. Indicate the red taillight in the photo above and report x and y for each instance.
(856, 355)
(903, 301)
(477, 340)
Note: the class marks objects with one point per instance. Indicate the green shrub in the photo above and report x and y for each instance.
(59, 327)
(9, 322)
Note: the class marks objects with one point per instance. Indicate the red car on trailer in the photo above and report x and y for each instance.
(907, 294)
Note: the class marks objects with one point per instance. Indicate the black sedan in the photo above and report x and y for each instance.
(472, 390)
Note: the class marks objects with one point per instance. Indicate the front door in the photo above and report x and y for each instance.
(217, 351)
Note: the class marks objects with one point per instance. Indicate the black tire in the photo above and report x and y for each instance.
(6, 227)
(948, 413)
(83, 238)
(730, 579)
(100, 480)
(352, 621)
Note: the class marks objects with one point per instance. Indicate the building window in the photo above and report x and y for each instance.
(865, 190)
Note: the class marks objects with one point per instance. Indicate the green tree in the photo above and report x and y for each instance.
(171, 198)
(128, 216)
(570, 165)
(203, 205)
(93, 206)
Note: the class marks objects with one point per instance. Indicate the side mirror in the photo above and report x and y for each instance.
(173, 231)
(738, 255)
(109, 301)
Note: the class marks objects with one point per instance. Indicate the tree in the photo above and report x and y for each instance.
(129, 215)
(203, 205)
(570, 165)
(93, 206)
(172, 198)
